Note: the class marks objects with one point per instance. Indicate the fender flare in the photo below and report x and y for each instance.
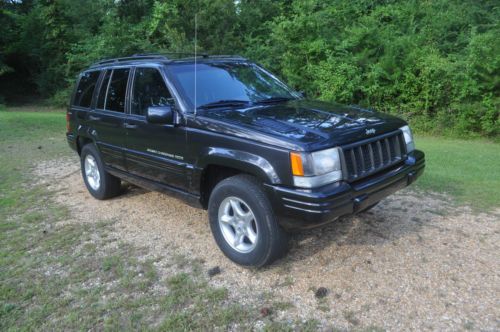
(241, 160)
(82, 139)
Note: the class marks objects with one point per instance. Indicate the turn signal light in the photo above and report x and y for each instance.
(297, 166)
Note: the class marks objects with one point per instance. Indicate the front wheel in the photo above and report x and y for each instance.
(243, 223)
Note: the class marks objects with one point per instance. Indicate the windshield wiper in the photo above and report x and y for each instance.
(273, 100)
(225, 102)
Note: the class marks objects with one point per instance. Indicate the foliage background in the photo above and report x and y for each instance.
(436, 63)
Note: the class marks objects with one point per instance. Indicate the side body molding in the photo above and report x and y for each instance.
(241, 160)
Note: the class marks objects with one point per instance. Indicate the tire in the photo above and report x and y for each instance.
(229, 197)
(100, 184)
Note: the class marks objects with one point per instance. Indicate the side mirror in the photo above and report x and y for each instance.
(160, 115)
(303, 94)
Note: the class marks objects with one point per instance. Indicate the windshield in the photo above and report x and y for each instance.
(220, 83)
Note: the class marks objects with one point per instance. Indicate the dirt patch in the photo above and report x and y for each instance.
(414, 262)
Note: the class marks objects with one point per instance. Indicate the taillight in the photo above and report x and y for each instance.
(68, 127)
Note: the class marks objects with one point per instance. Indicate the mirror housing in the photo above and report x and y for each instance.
(160, 115)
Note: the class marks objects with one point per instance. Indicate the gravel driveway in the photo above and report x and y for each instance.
(415, 262)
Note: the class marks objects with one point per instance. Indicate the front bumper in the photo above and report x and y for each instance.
(307, 208)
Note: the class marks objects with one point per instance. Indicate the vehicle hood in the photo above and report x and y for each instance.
(311, 124)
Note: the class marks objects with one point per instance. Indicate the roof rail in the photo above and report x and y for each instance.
(204, 55)
(228, 56)
(129, 58)
(216, 56)
(161, 56)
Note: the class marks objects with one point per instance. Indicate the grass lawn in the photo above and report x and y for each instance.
(469, 171)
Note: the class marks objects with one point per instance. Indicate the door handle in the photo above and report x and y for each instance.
(129, 125)
(94, 118)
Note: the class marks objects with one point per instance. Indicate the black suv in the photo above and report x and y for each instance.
(224, 134)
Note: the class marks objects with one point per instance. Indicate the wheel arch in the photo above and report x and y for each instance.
(219, 164)
(81, 141)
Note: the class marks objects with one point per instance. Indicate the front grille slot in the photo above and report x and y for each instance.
(371, 156)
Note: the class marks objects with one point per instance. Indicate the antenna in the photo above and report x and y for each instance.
(195, 60)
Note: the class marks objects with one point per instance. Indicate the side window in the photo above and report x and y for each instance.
(101, 100)
(115, 99)
(149, 90)
(85, 89)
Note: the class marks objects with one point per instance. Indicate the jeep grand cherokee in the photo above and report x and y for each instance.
(224, 134)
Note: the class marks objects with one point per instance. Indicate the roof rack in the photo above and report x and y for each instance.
(164, 54)
(161, 56)
(235, 56)
(129, 58)
(202, 54)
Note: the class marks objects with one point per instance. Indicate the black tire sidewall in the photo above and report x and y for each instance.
(253, 196)
(92, 150)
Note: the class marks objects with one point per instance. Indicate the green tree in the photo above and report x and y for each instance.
(434, 62)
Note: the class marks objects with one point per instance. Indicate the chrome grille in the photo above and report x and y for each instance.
(368, 157)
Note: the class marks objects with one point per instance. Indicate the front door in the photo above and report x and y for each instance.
(106, 120)
(154, 151)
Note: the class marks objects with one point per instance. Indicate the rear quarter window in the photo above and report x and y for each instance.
(115, 99)
(85, 89)
(113, 90)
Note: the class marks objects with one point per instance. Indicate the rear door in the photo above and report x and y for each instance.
(154, 151)
(81, 103)
(107, 119)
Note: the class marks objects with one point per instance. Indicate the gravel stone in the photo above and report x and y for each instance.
(321, 292)
(214, 271)
(414, 279)
(264, 312)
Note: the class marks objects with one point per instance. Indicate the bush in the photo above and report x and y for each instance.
(61, 98)
(435, 63)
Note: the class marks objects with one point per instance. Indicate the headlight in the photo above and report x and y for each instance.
(316, 169)
(410, 144)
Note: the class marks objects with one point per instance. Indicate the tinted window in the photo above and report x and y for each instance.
(115, 100)
(104, 88)
(149, 90)
(85, 89)
(228, 81)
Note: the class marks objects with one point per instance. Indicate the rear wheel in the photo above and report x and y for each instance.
(243, 223)
(99, 183)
